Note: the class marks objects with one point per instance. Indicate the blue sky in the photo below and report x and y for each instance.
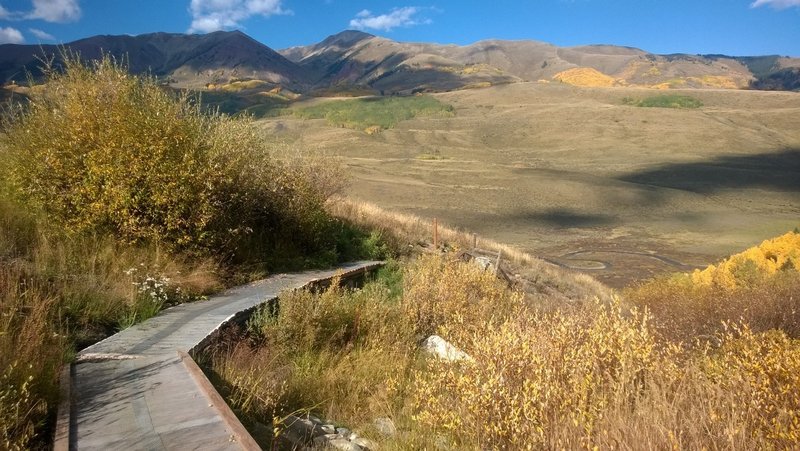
(734, 27)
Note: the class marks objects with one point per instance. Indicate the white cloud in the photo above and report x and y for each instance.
(10, 36)
(55, 10)
(4, 13)
(398, 17)
(777, 4)
(42, 35)
(213, 15)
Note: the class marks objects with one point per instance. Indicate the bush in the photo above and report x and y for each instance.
(772, 257)
(99, 150)
(118, 198)
(455, 299)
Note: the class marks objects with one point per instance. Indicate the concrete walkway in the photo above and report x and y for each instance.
(139, 389)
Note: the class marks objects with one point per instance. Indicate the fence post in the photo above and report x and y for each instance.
(474, 241)
(497, 264)
(435, 233)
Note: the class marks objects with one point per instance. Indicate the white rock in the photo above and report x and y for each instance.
(315, 419)
(484, 263)
(442, 349)
(329, 428)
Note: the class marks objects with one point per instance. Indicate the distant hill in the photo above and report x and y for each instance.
(360, 58)
(190, 61)
(357, 62)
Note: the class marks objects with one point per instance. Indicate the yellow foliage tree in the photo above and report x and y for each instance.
(770, 257)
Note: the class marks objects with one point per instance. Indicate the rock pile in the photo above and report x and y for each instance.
(307, 433)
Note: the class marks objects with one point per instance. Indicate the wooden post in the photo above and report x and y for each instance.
(497, 264)
(435, 233)
(474, 241)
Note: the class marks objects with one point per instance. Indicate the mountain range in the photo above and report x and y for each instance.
(353, 60)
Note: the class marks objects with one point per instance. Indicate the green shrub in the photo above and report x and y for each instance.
(99, 150)
(664, 101)
(382, 112)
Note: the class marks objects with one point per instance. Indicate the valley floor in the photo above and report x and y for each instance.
(555, 170)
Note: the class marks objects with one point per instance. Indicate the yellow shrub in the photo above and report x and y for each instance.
(770, 257)
(534, 375)
(101, 150)
(455, 299)
(761, 375)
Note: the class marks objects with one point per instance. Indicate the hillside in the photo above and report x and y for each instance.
(355, 62)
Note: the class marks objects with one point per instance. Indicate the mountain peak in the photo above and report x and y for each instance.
(347, 38)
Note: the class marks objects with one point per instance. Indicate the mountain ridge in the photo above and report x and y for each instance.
(354, 59)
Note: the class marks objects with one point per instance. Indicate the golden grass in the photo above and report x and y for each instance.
(719, 81)
(237, 86)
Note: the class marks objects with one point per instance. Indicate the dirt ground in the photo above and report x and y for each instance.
(574, 176)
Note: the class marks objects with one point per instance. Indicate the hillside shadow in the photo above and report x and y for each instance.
(566, 218)
(778, 171)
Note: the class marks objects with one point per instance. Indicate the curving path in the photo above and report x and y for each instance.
(139, 389)
(599, 265)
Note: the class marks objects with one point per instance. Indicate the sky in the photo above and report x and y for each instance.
(732, 27)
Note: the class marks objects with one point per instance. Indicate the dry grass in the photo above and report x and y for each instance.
(336, 353)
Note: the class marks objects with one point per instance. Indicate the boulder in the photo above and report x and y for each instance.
(441, 348)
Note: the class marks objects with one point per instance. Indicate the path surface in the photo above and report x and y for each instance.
(139, 390)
